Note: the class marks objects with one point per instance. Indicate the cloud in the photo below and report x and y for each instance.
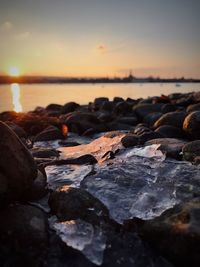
(23, 36)
(102, 49)
(6, 26)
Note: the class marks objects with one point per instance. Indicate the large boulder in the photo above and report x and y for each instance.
(176, 233)
(17, 166)
(23, 236)
(191, 124)
(170, 131)
(171, 118)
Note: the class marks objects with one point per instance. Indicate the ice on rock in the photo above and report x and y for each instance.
(134, 186)
(66, 175)
(82, 236)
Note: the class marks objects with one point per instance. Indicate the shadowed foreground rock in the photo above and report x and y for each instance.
(17, 167)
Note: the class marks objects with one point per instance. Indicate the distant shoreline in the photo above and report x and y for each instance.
(64, 80)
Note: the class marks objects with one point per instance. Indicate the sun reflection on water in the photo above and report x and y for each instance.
(15, 90)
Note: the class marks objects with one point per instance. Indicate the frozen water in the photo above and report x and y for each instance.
(82, 236)
(66, 175)
(132, 186)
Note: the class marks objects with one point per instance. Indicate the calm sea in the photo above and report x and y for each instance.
(27, 96)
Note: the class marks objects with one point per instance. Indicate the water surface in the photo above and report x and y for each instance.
(26, 97)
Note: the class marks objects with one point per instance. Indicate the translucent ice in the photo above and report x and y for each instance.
(82, 236)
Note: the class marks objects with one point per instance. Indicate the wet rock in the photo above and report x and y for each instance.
(191, 150)
(69, 203)
(141, 128)
(176, 233)
(191, 124)
(172, 118)
(19, 131)
(98, 102)
(130, 140)
(69, 107)
(168, 108)
(127, 120)
(54, 107)
(39, 152)
(197, 160)
(194, 107)
(151, 118)
(106, 106)
(117, 126)
(118, 99)
(143, 110)
(68, 143)
(38, 188)
(185, 101)
(84, 159)
(122, 108)
(171, 146)
(50, 133)
(16, 166)
(79, 122)
(144, 137)
(169, 131)
(23, 236)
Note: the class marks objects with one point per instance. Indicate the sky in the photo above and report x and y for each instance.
(100, 37)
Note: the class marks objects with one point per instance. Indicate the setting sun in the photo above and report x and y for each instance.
(14, 71)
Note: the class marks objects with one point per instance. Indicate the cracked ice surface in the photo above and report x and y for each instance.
(66, 175)
(82, 236)
(132, 186)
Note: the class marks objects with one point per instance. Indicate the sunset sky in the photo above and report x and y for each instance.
(100, 37)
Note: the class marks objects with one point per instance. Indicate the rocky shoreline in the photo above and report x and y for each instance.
(111, 183)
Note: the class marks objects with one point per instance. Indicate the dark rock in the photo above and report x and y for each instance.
(38, 189)
(141, 128)
(191, 150)
(146, 136)
(69, 203)
(68, 143)
(130, 140)
(143, 110)
(118, 99)
(171, 146)
(54, 107)
(151, 118)
(105, 117)
(16, 166)
(176, 233)
(191, 124)
(23, 236)
(50, 133)
(122, 108)
(168, 108)
(185, 101)
(79, 122)
(39, 152)
(194, 107)
(170, 131)
(116, 126)
(127, 120)
(172, 118)
(69, 107)
(84, 159)
(106, 106)
(19, 131)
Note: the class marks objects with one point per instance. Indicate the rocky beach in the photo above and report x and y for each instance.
(112, 183)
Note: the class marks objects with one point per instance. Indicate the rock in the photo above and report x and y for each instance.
(169, 131)
(185, 101)
(176, 233)
(116, 126)
(194, 107)
(191, 124)
(69, 203)
(39, 152)
(79, 122)
(38, 189)
(130, 140)
(171, 118)
(141, 128)
(23, 236)
(50, 133)
(16, 166)
(168, 108)
(151, 118)
(54, 107)
(171, 146)
(69, 107)
(143, 110)
(99, 101)
(106, 106)
(122, 108)
(68, 143)
(191, 150)
(19, 131)
(144, 137)
(117, 99)
(127, 120)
